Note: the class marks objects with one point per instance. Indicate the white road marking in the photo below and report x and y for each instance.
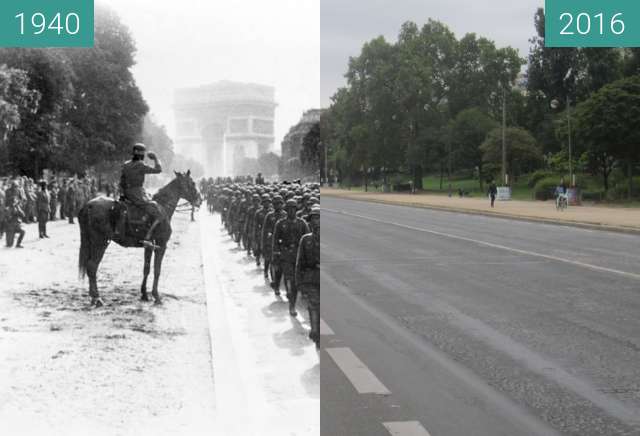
(325, 330)
(498, 246)
(362, 379)
(406, 428)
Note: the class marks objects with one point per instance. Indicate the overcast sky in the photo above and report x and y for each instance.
(347, 24)
(195, 42)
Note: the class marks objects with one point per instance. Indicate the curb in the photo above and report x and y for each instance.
(578, 224)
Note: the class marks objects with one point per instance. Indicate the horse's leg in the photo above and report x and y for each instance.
(157, 266)
(92, 271)
(147, 268)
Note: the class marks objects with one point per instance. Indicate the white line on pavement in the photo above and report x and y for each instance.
(358, 374)
(325, 330)
(406, 428)
(492, 245)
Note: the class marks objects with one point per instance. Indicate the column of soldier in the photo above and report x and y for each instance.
(279, 225)
(23, 201)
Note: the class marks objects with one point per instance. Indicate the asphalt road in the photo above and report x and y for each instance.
(452, 324)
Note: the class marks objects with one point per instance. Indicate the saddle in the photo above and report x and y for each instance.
(132, 220)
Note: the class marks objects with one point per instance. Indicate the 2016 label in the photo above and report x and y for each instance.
(582, 23)
(592, 23)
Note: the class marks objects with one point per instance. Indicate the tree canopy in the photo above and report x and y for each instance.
(89, 107)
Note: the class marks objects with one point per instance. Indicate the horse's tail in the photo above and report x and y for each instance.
(85, 241)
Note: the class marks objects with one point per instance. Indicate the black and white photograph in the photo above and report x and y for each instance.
(160, 217)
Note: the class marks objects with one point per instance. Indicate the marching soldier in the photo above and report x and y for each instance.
(308, 272)
(286, 238)
(258, 221)
(270, 221)
(250, 222)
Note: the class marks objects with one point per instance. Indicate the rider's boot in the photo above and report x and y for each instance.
(146, 242)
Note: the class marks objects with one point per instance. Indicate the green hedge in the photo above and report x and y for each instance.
(545, 188)
(536, 176)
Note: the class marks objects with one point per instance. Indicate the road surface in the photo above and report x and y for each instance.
(452, 324)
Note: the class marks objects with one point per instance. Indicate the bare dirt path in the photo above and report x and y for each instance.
(127, 368)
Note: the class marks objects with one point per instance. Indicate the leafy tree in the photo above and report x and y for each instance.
(310, 151)
(606, 125)
(523, 154)
(155, 137)
(37, 141)
(108, 108)
(16, 102)
(470, 129)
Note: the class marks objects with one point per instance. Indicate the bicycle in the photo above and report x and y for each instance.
(562, 201)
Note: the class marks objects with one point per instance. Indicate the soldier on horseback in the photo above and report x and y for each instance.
(131, 187)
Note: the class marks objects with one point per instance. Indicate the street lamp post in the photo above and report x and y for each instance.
(571, 182)
(554, 105)
(504, 136)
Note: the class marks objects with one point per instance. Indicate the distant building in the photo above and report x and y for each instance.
(291, 146)
(224, 123)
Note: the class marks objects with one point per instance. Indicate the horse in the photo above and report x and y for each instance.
(98, 219)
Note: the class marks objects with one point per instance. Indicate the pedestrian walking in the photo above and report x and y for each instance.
(493, 192)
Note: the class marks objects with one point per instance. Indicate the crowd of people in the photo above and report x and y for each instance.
(279, 225)
(25, 201)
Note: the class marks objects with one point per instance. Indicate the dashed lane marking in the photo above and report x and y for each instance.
(362, 379)
(405, 428)
(325, 330)
(492, 245)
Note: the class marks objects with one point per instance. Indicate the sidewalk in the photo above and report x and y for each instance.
(605, 218)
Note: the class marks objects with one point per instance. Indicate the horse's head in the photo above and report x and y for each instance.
(187, 188)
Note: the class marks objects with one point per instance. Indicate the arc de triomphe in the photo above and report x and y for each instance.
(223, 123)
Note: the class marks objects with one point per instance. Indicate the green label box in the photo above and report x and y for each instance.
(592, 23)
(46, 23)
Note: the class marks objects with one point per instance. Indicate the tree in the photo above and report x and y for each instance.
(470, 129)
(606, 124)
(36, 142)
(523, 154)
(16, 102)
(108, 108)
(89, 109)
(310, 150)
(155, 137)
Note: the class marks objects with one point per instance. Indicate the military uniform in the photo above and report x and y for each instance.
(286, 238)
(270, 221)
(132, 181)
(70, 202)
(15, 216)
(43, 208)
(308, 279)
(258, 222)
(53, 202)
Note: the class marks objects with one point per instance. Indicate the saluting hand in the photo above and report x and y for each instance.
(151, 155)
